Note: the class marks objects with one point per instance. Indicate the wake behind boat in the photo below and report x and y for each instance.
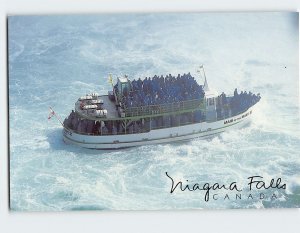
(155, 110)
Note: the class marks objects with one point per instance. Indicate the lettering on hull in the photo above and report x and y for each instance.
(238, 118)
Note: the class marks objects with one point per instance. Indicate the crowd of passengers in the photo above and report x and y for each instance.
(86, 126)
(162, 90)
(89, 126)
(239, 102)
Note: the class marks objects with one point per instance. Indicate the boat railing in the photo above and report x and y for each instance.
(140, 130)
(164, 108)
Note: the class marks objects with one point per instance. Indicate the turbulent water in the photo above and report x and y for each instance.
(55, 59)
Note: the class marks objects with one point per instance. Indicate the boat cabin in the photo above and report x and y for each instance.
(210, 99)
(123, 86)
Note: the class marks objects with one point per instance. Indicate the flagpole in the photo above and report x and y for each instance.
(56, 115)
(110, 80)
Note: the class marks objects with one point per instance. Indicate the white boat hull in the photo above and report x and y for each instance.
(158, 136)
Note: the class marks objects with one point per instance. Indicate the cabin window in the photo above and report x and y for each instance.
(125, 88)
(210, 101)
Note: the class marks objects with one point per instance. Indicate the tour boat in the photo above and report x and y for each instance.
(155, 110)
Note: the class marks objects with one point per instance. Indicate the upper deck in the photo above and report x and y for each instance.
(165, 109)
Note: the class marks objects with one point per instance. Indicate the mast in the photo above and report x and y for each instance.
(205, 85)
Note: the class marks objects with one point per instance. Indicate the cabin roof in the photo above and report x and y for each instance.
(123, 79)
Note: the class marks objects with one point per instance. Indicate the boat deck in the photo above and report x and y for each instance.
(107, 105)
(110, 107)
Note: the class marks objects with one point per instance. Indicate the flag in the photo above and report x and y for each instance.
(110, 80)
(199, 68)
(51, 114)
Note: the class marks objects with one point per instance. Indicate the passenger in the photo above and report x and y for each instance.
(153, 123)
(130, 130)
(174, 120)
(96, 128)
(159, 122)
(166, 121)
(114, 130)
(79, 127)
(120, 129)
(104, 130)
(90, 126)
(235, 92)
(183, 119)
(197, 116)
(84, 126)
